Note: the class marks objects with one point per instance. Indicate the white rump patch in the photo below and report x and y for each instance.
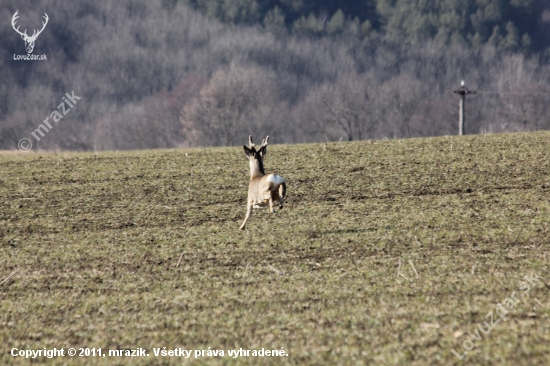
(275, 179)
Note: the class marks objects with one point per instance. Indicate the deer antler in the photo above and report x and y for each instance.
(263, 148)
(13, 20)
(250, 143)
(35, 35)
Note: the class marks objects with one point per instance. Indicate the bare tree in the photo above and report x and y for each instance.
(236, 102)
(526, 106)
(348, 105)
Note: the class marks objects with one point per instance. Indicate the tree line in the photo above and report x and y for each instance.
(173, 73)
(516, 25)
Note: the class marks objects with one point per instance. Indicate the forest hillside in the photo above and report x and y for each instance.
(161, 74)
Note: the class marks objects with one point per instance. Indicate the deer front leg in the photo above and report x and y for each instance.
(248, 211)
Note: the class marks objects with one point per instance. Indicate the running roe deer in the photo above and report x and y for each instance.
(263, 188)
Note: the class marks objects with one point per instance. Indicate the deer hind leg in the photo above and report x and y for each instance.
(271, 205)
(248, 211)
(282, 193)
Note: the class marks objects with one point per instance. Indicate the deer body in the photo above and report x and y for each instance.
(263, 188)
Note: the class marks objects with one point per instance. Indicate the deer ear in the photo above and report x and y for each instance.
(263, 151)
(247, 151)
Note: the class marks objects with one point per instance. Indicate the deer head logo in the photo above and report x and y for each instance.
(29, 41)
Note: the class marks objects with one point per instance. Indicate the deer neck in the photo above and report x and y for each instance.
(256, 169)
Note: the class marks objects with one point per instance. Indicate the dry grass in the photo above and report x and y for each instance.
(142, 249)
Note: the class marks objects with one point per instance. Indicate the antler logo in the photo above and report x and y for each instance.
(29, 41)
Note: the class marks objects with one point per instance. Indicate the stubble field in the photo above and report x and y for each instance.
(387, 252)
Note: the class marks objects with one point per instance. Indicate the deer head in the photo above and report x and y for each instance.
(29, 41)
(256, 156)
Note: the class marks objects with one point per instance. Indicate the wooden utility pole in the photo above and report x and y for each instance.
(462, 91)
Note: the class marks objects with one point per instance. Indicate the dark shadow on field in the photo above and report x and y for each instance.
(314, 233)
(339, 197)
(347, 231)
